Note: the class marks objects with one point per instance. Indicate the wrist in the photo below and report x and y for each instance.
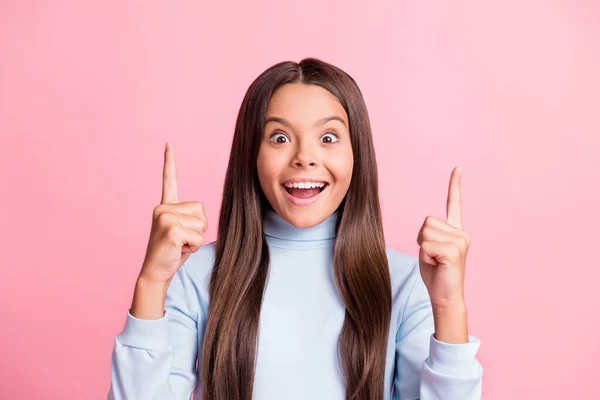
(151, 283)
(149, 299)
(451, 323)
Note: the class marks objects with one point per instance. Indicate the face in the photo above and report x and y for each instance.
(305, 158)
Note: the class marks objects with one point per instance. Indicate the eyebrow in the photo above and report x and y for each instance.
(320, 122)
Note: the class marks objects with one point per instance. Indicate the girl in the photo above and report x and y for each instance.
(298, 298)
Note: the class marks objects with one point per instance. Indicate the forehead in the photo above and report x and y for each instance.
(303, 104)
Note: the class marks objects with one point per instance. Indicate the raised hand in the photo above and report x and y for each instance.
(443, 253)
(177, 229)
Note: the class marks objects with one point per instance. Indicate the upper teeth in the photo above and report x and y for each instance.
(305, 185)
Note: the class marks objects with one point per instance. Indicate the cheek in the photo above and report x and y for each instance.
(268, 165)
(262, 168)
(341, 168)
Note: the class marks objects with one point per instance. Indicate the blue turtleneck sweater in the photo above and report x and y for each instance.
(300, 322)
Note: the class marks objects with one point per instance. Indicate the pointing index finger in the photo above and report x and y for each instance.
(169, 188)
(453, 206)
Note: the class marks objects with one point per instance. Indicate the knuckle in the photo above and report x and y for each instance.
(468, 239)
(429, 220)
(172, 233)
(454, 251)
(158, 210)
(198, 244)
(427, 231)
(464, 242)
(163, 219)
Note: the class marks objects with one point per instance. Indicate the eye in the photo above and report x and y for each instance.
(279, 137)
(330, 137)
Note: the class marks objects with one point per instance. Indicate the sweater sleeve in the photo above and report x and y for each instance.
(156, 359)
(426, 368)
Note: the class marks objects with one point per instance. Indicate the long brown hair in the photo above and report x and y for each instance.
(242, 256)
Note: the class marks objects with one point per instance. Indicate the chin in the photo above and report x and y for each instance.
(305, 218)
(302, 223)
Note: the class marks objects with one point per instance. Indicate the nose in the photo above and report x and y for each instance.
(305, 156)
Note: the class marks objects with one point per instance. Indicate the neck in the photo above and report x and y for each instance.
(281, 233)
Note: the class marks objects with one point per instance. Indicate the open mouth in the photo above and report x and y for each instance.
(299, 191)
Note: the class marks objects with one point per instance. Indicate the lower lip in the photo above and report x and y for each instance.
(303, 202)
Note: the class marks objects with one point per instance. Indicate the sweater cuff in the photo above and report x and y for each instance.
(454, 359)
(149, 334)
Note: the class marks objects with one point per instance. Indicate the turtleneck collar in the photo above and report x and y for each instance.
(281, 233)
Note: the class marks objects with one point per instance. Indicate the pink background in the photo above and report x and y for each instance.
(90, 91)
